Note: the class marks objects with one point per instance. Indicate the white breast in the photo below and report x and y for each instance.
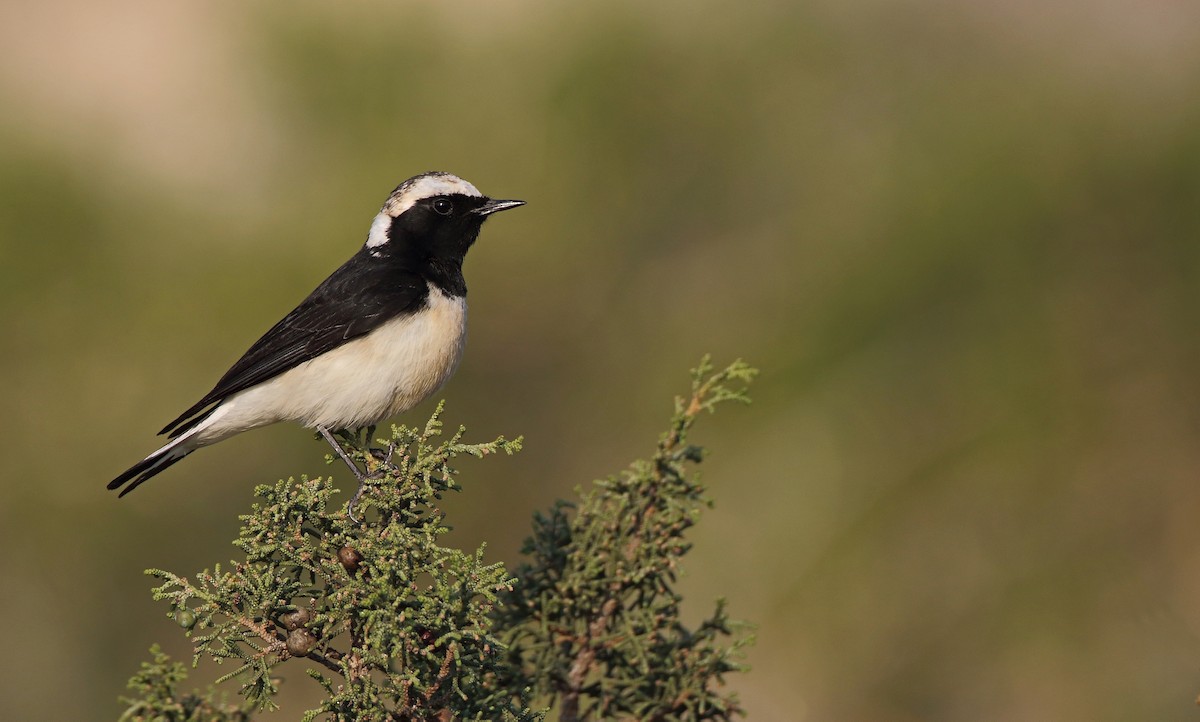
(362, 382)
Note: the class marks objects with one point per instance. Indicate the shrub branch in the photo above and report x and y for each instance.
(394, 626)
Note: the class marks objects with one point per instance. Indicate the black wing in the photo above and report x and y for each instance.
(356, 298)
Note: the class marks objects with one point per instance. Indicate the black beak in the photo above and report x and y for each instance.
(492, 206)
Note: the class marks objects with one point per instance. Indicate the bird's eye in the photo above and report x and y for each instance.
(443, 206)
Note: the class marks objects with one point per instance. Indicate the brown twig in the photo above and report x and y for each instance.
(443, 673)
(582, 663)
(324, 661)
(269, 636)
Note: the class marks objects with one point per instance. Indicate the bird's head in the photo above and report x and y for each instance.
(435, 213)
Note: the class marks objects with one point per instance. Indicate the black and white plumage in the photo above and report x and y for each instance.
(378, 336)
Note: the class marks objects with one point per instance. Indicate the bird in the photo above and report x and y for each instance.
(380, 335)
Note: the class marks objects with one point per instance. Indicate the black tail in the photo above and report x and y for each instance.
(142, 471)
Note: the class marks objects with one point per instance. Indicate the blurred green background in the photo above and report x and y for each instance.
(959, 238)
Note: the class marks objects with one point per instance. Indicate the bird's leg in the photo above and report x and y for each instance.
(379, 454)
(340, 451)
(353, 467)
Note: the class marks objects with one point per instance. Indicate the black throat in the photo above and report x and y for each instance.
(435, 257)
(446, 274)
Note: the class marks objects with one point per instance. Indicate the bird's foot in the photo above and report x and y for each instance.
(362, 486)
(384, 456)
(358, 474)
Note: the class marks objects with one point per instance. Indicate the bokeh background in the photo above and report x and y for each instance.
(959, 238)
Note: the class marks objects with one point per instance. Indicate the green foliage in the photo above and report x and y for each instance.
(593, 621)
(400, 621)
(159, 699)
(394, 626)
